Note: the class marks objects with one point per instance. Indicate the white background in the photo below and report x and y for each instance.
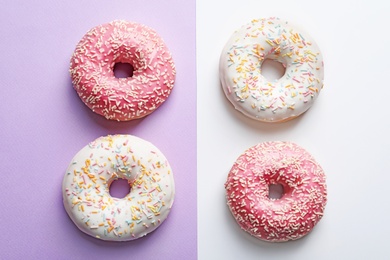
(347, 130)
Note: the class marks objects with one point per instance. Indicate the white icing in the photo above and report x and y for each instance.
(86, 188)
(250, 92)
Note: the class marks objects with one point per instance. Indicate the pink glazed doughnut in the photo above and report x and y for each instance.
(122, 99)
(303, 201)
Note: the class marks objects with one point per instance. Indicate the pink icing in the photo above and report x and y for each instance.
(122, 99)
(299, 209)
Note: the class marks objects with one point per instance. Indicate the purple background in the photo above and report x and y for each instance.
(43, 124)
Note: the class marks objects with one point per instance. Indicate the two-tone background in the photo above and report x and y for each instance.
(43, 124)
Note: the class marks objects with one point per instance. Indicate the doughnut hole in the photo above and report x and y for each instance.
(275, 191)
(272, 69)
(276, 184)
(123, 70)
(119, 188)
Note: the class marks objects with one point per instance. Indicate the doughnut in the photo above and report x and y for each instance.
(85, 188)
(122, 99)
(303, 199)
(250, 92)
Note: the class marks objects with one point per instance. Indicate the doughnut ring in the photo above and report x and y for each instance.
(303, 200)
(122, 99)
(250, 92)
(85, 188)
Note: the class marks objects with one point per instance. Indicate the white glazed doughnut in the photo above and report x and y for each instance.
(250, 92)
(87, 180)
